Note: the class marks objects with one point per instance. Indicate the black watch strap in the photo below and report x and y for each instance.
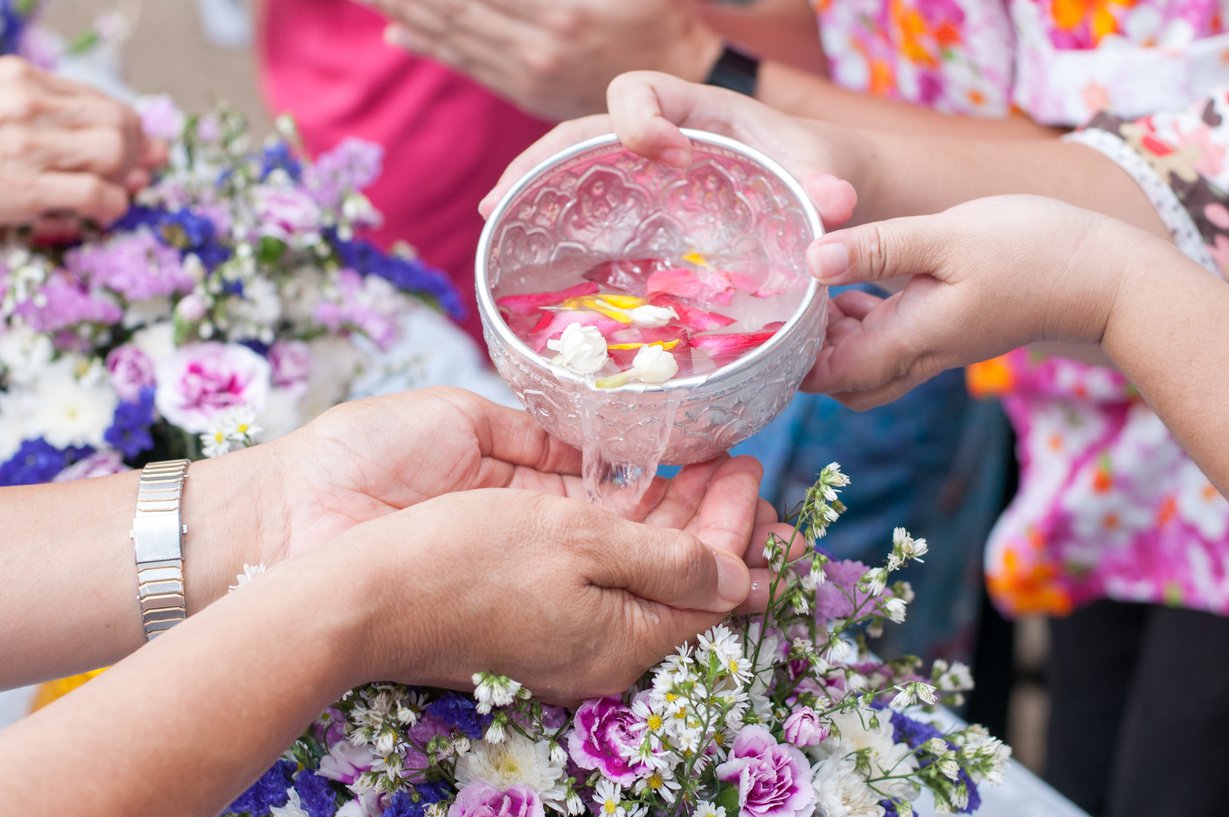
(736, 71)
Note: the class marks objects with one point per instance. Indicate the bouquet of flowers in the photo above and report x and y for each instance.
(234, 295)
(787, 714)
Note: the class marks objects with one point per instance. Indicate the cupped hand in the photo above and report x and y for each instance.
(67, 152)
(647, 110)
(369, 458)
(554, 58)
(988, 276)
(568, 599)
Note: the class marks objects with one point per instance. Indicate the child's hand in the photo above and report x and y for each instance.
(988, 276)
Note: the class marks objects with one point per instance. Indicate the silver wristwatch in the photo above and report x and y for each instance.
(157, 538)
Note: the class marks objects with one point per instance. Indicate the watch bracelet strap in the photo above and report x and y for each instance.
(160, 581)
(735, 71)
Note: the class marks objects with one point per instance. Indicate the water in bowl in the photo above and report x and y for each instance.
(641, 320)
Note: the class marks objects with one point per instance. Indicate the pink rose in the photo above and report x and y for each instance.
(101, 464)
(774, 779)
(292, 363)
(197, 382)
(601, 733)
(480, 799)
(285, 212)
(346, 762)
(804, 728)
(131, 370)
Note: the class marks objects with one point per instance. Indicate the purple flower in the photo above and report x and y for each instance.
(774, 779)
(460, 712)
(160, 117)
(602, 732)
(39, 461)
(270, 790)
(291, 361)
(279, 156)
(804, 728)
(316, 795)
(403, 805)
(131, 371)
(65, 302)
(839, 596)
(199, 381)
(100, 464)
(353, 165)
(480, 799)
(129, 431)
(135, 265)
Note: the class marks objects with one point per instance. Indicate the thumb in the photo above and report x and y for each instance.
(676, 569)
(876, 252)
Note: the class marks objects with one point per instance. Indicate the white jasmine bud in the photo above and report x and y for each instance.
(651, 316)
(653, 364)
(581, 349)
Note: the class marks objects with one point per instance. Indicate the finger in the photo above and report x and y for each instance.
(154, 154)
(879, 251)
(647, 109)
(563, 136)
(681, 500)
(759, 538)
(508, 438)
(100, 151)
(856, 304)
(757, 594)
(51, 230)
(83, 194)
(137, 179)
(726, 515)
(835, 198)
(669, 567)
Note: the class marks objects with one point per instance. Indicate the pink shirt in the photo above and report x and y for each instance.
(447, 139)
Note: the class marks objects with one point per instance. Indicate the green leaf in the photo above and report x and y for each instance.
(727, 798)
(271, 250)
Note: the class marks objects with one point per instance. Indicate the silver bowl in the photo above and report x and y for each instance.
(597, 201)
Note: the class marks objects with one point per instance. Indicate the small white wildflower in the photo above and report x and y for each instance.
(609, 799)
(215, 443)
(949, 767)
(496, 733)
(936, 746)
(491, 690)
(386, 742)
(575, 806)
(706, 809)
(249, 572)
(875, 580)
(895, 609)
(557, 753)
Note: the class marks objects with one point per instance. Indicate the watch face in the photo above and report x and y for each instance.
(735, 71)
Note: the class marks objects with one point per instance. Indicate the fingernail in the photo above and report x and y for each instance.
(829, 261)
(733, 580)
(676, 156)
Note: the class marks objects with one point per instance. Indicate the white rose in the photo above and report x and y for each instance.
(582, 349)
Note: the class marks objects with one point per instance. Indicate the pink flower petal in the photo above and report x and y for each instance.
(552, 324)
(694, 318)
(530, 302)
(626, 275)
(731, 344)
(709, 286)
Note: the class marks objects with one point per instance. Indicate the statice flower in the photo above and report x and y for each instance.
(134, 265)
(160, 117)
(269, 791)
(130, 429)
(350, 167)
(38, 461)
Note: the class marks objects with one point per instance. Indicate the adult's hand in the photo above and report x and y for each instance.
(988, 276)
(369, 458)
(571, 600)
(67, 151)
(554, 58)
(647, 110)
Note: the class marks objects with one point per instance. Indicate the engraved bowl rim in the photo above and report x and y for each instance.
(489, 312)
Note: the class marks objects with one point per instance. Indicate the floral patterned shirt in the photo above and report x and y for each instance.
(1109, 506)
